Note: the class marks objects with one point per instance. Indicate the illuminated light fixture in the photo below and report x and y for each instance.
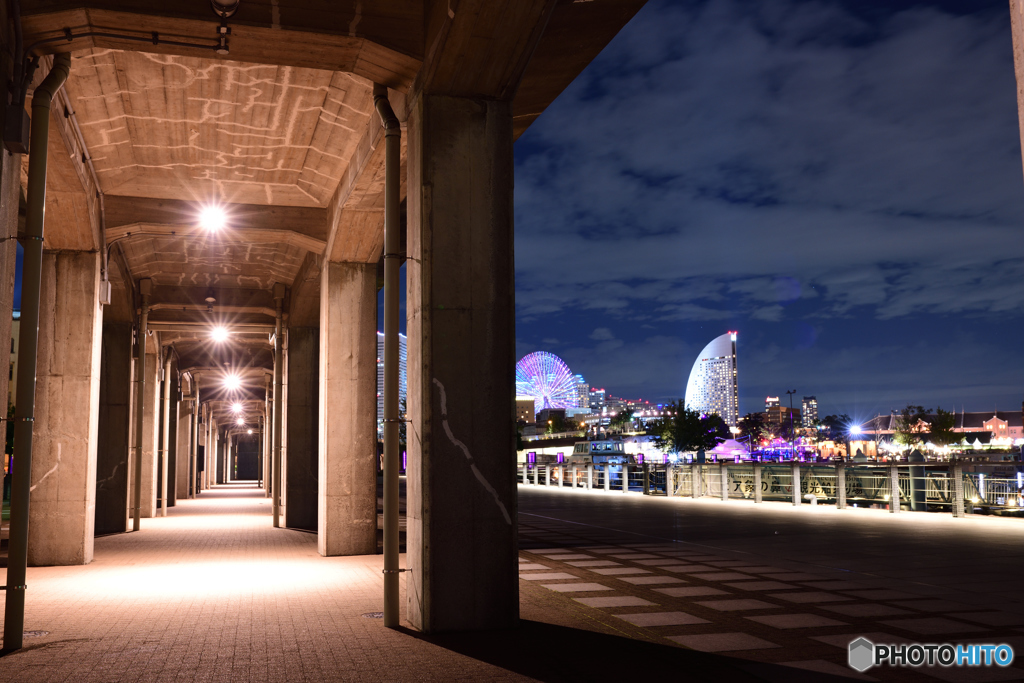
(213, 218)
(249, 432)
(855, 429)
(219, 334)
(232, 382)
(240, 421)
(236, 408)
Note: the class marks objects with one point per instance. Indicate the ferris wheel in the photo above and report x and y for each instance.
(547, 379)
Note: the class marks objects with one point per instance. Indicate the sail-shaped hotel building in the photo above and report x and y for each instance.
(712, 387)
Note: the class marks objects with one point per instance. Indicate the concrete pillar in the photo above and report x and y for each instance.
(183, 444)
(300, 426)
(795, 470)
(590, 476)
(547, 475)
(112, 445)
(526, 473)
(268, 434)
(462, 539)
(841, 485)
(956, 489)
(62, 506)
(696, 487)
(725, 480)
(757, 482)
(10, 187)
(625, 477)
(536, 474)
(607, 470)
(894, 487)
(150, 434)
(347, 410)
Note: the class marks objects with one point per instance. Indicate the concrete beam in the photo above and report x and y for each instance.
(304, 227)
(380, 41)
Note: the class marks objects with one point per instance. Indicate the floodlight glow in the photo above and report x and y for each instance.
(219, 334)
(240, 421)
(249, 432)
(212, 218)
(855, 429)
(232, 382)
(236, 408)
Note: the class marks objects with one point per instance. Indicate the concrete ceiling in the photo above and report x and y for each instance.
(281, 132)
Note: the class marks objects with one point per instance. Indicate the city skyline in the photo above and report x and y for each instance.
(846, 145)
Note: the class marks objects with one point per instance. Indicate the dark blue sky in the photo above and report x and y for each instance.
(838, 181)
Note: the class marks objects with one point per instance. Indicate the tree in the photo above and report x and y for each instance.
(622, 420)
(687, 430)
(558, 424)
(753, 427)
(942, 425)
(836, 427)
(910, 426)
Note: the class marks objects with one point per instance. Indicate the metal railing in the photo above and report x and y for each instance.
(918, 486)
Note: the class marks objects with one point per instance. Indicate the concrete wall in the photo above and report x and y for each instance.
(62, 505)
(348, 410)
(113, 447)
(462, 545)
(301, 413)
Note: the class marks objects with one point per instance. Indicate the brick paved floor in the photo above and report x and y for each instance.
(213, 593)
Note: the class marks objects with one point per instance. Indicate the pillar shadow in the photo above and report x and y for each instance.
(554, 654)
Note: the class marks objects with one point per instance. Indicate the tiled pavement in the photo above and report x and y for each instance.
(213, 593)
(757, 600)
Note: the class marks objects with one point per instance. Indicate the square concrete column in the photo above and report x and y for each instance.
(347, 520)
(150, 435)
(462, 544)
(300, 424)
(113, 446)
(183, 450)
(62, 507)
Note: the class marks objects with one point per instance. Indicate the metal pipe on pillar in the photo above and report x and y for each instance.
(165, 437)
(278, 403)
(392, 262)
(145, 288)
(24, 411)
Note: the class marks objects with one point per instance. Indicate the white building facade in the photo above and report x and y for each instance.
(712, 386)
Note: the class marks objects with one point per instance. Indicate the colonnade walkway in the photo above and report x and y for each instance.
(611, 586)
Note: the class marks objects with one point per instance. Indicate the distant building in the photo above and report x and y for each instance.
(525, 409)
(712, 386)
(402, 377)
(809, 408)
(583, 391)
(597, 397)
(1002, 427)
(771, 402)
(777, 415)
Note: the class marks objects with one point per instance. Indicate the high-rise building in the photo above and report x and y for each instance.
(402, 377)
(583, 391)
(809, 408)
(771, 402)
(712, 386)
(597, 397)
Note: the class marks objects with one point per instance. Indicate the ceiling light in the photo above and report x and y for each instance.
(249, 432)
(241, 421)
(236, 408)
(219, 334)
(224, 8)
(212, 218)
(232, 382)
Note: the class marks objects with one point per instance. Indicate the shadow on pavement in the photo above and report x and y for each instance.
(554, 654)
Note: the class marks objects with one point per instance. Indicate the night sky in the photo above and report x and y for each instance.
(840, 182)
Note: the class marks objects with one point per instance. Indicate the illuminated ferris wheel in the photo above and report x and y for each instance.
(547, 379)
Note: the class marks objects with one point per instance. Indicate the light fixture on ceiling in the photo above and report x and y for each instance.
(249, 432)
(240, 421)
(212, 218)
(236, 408)
(219, 334)
(232, 382)
(224, 8)
(210, 299)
